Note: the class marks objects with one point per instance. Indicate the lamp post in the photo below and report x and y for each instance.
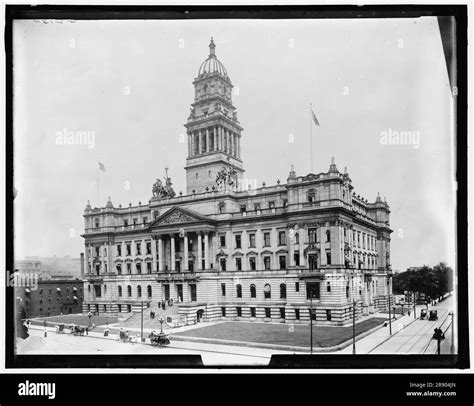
(452, 332)
(311, 320)
(161, 324)
(414, 305)
(141, 323)
(90, 317)
(353, 327)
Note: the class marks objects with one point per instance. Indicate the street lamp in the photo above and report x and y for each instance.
(161, 324)
(452, 332)
(90, 319)
(353, 327)
(311, 320)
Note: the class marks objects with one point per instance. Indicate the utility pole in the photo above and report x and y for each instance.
(311, 320)
(389, 306)
(414, 305)
(452, 332)
(353, 327)
(141, 329)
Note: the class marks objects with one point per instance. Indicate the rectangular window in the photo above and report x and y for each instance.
(253, 263)
(256, 206)
(223, 289)
(282, 312)
(243, 208)
(312, 290)
(268, 312)
(281, 238)
(129, 268)
(297, 314)
(271, 205)
(139, 268)
(148, 248)
(223, 311)
(134, 222)
(222, 241)
(119, 250)
(266, 239)
(282, 260)
(148, 267)
(239, 312)
(238, 241)
(238, 264)
(129, 249)
(328, 315)
(97, 291)
(312, 233)
(251, 240)
(297, 286)
(139, 248)
(119, 269)
(223, 264)
(253, 312)
(97, 251)
(145, 220)
(266, 262)
(296, 258)
(328, 258)
(125, 223)
(193, 292)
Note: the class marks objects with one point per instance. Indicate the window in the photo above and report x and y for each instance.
(297, 314)
(238, 241)
(252, 312)
(129, 249)
(97, 291)
(223, 311)
(125, 223)
(88, 289)
(266, 262)
(256, 206)
(267, 291)
(238, 264)
(119, 250)
(145, 219)
(328, 314)
(129, 268)
(148, 267)
(312, 233)
(268, 312)
(328, 235)
(271, 205)
(328, 286)
(139, 267)
(97, 251)
(266, 239)
(134, 222)
(139, 248)
(223, 289)
(282, 261)
(282, 291)
(129, 291)
(148, 248)
(223, 263)
(139, 291)
(149, 291)
(328, 258)
(119, 291)
(253, 263)
(282, 312)
(243, 208)
(297, 286)
(105, 289)
(239, 291)
(96, 223)
(222, 241)
(253, 291)
(347, 291)
(252, 240)
(312, 290)
(221, 207)
(311, 195)
(285, 202)
(281, 238)
(239, 311)
(296, 258)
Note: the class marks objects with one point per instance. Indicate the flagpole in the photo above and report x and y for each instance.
(311, 135)
(98, 188)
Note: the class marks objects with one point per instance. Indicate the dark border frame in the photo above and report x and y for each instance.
(87, 12)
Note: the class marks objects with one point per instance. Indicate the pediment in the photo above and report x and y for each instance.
(178, 215)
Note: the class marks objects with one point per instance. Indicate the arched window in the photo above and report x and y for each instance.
(267, 291)
(149, 291)
(282, 291)
(253, 291)
(139, 291)
(239, 291)
(120, 291)
(328, 286)
(129, 291)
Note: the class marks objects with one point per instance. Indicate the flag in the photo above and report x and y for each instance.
(314, 117)
(101, 166)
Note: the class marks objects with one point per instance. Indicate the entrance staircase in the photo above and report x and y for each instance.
(148, 322)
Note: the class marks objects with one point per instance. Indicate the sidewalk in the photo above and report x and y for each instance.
(368, 343)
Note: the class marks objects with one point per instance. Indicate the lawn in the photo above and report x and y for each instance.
(281, 334)
(78, 319)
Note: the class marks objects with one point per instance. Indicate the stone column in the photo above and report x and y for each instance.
(86, 259)
(199, 258)
(302, 234)
(207, 140)
(102, 258)
(186, 259)
(206, 250)
(215, 138)
(173, 253)
(199, 142)
(161, 255)
(153, 254)
(291, 238)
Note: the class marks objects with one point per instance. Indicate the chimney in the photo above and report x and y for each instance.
(82, 265)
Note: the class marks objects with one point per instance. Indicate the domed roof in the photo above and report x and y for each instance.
(212, 64)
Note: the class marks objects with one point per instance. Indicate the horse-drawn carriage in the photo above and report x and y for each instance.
(59, 328)
(76, 330)
(159, 339)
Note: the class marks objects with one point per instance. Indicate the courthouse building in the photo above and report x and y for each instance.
(230, 250)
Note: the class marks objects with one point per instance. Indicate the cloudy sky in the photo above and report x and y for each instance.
(129, 84)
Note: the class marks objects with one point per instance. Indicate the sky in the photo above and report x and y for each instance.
(128, 84)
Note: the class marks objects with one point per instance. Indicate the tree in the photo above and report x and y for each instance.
(443, 275)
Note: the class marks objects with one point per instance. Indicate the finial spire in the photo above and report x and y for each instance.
(212, 47)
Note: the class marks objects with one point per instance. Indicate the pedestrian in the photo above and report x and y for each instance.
(106, 332)
(45, 331)
(159, 305)
(44, 323)
(87, 330)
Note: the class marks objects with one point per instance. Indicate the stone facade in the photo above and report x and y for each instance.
(227, 252)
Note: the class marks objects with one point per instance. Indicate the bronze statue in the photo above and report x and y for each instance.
(163, 192)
